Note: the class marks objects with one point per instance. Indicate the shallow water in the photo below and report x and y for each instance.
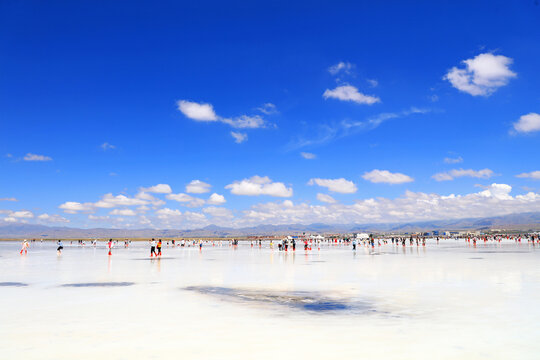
(444, 301)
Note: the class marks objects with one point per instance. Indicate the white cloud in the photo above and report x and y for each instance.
(456, 160)
(268, 109)
(308, 156)
(326, 198)
(346, 67)
(186, 200)
(52, 219)
(99, 218)
(8, 199)
(111, 201)
(493, 201)
(158, 189)
(35, 157)
(205, 112)
(385, 176)
(456, 173)
(531, 175)
(123, 212)
(482, 75)
(10, 219)
(198, 187)
(167, 213)
(216, 199)
(23, 214)
(218, 212)
(239, 137)
(72, 207)
(196, 111)
(149, 198)
(341, 185)
(257, 185)
(350, 93)
(528, 123)
(106, 146)
(245, 122)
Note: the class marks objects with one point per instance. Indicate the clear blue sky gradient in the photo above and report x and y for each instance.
(77, 74)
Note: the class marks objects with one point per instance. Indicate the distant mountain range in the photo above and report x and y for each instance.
(516, 222)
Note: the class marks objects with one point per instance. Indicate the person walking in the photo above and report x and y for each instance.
(153, 248)
(24, 247)
(60, 247)
(159, 248)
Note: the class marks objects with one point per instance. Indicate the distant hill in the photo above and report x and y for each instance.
(518, 222)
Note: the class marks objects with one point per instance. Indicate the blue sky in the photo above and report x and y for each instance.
(405, 111)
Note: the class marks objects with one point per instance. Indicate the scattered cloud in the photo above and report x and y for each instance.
(535, 175)
(205, 112)
(110, 201)
(52, 219)
(35, 157)
(326, 198)
(350, 93)
(218, 212)
(268, 109)
(528, 123)
(340, 185)
(198, 187)
(257, 185)
(308, 156)
(457, 173)
(341, 66)
(216, 199)
(157, 189)
(482, 75)
(456, 160)
(106, 146)
(73, 207)
(8, 199)
(197, 111)
(385, 176)
(123, 212)
(239, 137)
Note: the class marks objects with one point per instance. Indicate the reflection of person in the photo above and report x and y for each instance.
(110, 245)
(25, 246)
(60, 247)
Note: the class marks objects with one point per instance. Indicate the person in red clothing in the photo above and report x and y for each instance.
(159, 248)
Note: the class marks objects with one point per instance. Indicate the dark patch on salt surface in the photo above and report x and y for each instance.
(302, 300)
(14, 284)
(155, 258)
(476, 258)
(99, 284)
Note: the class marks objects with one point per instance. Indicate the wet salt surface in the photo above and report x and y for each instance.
(437, 301)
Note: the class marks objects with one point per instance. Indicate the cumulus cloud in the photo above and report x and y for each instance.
(218, 212)
(72, 207)
(157, 189)
(341, 66)
(482, 75)
(216, 199)
(198, 187)
(111, 201)
(23, 214)
(186, 200)
(239, 137)
(528, 123)
(350, 93)
(123, 212)
(457, 160)
(205, 112)
(308, 156)
(326, 198)
(166, 213)
(340, 185)
(535, 175)
(35, 157)
(197, 111)
(52, 219)
(495, 200)
(456, 173)
(257, 185)
(385, 176)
